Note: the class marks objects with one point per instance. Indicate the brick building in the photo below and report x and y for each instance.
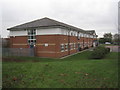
(51, 38)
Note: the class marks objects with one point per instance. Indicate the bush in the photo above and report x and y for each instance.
(86, 47)
(99, 52)
(107, 50)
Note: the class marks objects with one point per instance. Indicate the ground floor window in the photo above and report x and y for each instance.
(62, 47)
(74, 45)
(66, 47)
(71, 46)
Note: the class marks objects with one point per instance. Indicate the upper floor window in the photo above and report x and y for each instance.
(74, 33)
(31, 32)
(32, 36)
(78, 36)
(85, 35)
(82, 35)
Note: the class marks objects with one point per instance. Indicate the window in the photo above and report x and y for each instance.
(32, 37)
(74, 45)
(71, 46)
(66, 47)
(82, 35)
(90, 36)
(86, 35)
(78, 36)
(67, 33)
(74, 33)
(62, 47)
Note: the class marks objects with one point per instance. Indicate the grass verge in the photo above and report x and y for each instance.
(76, 71)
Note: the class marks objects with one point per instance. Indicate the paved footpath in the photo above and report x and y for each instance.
(77, 53)
(114, 48)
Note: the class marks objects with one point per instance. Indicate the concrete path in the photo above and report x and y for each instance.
(114, 48)
(77, 53)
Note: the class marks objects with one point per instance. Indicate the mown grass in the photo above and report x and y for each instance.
(108, 45)
(76, 71)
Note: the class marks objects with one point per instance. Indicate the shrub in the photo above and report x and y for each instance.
(99, 52)
(86, 47)
(107, 50)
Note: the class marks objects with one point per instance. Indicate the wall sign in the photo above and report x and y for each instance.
(46, 44)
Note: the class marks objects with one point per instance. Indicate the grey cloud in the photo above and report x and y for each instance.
(100, 15)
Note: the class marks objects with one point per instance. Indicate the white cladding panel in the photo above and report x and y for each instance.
(48, 31)
(18, 33)
(64, 31)
(51, 31)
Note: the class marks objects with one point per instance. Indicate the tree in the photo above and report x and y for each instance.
(101, 40)
(5, 43)
(108, 37)
(116, 38)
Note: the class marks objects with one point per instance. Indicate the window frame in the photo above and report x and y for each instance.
(74, 45)
(66, 47)
(62, 47)
(31, 36)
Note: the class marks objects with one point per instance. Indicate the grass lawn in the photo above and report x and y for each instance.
(76, 71)
(108, 45)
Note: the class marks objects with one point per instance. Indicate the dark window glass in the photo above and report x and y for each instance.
(62, 47)
(31, 36)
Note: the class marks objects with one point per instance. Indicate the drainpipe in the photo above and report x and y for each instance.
(68, 43)
(83, 40)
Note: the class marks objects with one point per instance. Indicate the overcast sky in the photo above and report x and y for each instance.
(100, 15)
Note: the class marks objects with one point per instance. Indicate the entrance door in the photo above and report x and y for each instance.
(31, 49)
(31, 46)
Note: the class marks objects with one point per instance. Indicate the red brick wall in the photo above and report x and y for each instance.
(53, 50)
(19, 42)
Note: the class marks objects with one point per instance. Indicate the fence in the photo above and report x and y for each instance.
(17, 52)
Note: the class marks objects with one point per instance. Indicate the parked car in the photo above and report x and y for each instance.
(107, 43)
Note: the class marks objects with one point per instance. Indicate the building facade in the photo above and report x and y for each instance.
(51, 38)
